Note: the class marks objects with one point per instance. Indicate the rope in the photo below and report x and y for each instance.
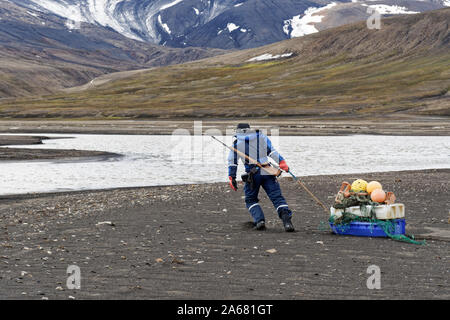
(310, 193)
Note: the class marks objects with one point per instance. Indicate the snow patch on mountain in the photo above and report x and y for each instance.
(269, 56)
(103, 12)
(32, 14)
(386, 9)
(168, 5)
(71, 12)
(231, 27)
(300, 25)
(164, 25)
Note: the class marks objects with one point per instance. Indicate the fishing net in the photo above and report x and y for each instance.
(353, 200)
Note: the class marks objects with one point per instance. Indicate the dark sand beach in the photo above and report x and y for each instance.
(195, 242)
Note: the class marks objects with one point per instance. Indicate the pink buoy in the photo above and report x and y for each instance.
(378, 195)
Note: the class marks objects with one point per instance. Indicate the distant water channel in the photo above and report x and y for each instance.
(168, 160)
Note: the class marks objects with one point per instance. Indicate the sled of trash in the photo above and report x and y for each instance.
(366, 210)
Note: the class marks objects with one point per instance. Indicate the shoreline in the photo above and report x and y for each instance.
(287, 126)
(285, 178)
(186, 241)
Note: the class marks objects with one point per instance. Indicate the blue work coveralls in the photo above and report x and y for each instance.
(259, 147)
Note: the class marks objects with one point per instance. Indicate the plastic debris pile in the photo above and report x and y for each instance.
(365, 209)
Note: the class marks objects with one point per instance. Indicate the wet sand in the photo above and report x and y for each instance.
(19, 154)
(195, 242)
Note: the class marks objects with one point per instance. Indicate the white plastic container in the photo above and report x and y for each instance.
(383, 212)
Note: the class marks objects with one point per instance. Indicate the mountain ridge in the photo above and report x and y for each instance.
(40, 55)
(224, 24)
(349, 71)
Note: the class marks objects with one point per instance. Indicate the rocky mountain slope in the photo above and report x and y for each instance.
(41, 52)
(402, 69)
(222, 24)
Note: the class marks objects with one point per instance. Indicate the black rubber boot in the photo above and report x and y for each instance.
(287, 223)
(261, 225)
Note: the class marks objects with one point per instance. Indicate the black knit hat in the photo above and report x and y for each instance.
(243, 126)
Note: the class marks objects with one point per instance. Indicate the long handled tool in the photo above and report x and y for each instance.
(270, 170)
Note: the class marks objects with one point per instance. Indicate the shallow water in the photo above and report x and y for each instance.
(168, 160)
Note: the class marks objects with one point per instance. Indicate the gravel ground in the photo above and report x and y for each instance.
(195, 242)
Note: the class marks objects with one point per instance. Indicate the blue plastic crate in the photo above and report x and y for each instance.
(368, 229)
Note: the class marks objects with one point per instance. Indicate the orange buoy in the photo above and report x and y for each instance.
(373, 185)
(378, 195)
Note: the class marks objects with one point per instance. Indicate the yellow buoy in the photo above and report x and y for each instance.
(359, 185)
(373, 185)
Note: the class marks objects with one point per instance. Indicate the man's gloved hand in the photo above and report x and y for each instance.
(284, 166)
(233, 183)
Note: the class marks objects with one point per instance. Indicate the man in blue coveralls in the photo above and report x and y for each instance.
(256, 145)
